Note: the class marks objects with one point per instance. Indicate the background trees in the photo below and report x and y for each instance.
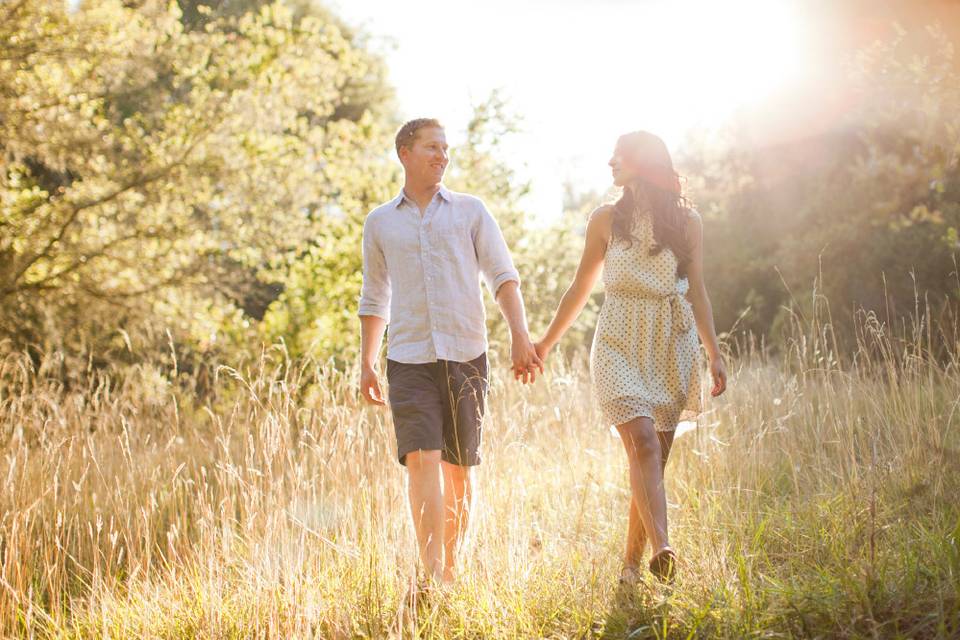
(198, 172)
(158, 172)
(868, 210)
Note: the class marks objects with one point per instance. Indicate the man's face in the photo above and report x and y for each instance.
(426, 159)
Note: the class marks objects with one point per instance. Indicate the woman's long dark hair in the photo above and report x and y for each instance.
(660, 198)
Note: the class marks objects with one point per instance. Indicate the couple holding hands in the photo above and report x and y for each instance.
(423, 255)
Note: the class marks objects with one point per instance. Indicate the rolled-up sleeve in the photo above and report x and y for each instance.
(375, 292)
(493, 256)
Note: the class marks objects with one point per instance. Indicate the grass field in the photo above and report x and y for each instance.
(817, 498)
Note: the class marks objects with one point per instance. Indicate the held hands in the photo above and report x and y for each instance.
(525, 359)
(370, 386)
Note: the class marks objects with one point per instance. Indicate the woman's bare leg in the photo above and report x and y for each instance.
(645, 457)
(636, 534)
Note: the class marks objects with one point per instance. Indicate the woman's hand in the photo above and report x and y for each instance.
(543, 348)
(718, 371)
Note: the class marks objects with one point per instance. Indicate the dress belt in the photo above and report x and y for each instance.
(680, 320)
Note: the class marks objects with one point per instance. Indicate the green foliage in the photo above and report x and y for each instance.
(153, 173)
(317, 312)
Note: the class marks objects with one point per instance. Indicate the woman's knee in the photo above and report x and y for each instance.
(640, 439)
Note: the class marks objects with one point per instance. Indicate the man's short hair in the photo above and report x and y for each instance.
(408, 132)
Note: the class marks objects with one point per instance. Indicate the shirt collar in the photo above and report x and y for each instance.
(402, 196)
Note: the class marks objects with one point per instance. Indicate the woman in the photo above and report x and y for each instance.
(644, 358)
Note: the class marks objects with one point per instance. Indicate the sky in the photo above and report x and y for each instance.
(580, 73)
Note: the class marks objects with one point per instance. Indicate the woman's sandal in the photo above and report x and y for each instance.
(664, 565)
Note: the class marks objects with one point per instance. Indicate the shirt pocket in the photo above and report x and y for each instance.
(452, 238)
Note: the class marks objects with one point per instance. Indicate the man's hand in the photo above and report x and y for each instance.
(526, 362)
(370, 386)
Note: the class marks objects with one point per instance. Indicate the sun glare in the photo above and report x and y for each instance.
(712, 58)
(742, 50)
(694, 64)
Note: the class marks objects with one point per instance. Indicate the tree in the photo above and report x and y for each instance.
(144, 162)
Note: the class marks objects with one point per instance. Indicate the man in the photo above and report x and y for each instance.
(423, 255)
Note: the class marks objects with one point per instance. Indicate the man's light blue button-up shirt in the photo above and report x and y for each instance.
(421, 274)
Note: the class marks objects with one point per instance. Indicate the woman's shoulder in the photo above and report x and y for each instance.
(601, 215)
(600, 224)
(601, 219)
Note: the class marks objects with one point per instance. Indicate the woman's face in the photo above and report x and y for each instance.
(621, 163)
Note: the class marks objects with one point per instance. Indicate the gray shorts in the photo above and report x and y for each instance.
(439, 406)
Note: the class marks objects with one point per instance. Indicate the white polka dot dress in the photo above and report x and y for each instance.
(645, 354)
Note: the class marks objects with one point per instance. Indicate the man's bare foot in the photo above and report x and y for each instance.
(420, 591)
(420, 594)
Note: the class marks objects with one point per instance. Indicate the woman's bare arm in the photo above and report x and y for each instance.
(702, 309)
(577, 294)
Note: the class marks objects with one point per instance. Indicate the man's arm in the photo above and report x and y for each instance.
(503, 281)
(522, 353)
(371, 336)
(374, 313)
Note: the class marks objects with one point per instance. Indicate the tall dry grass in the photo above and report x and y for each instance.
(818, 497)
